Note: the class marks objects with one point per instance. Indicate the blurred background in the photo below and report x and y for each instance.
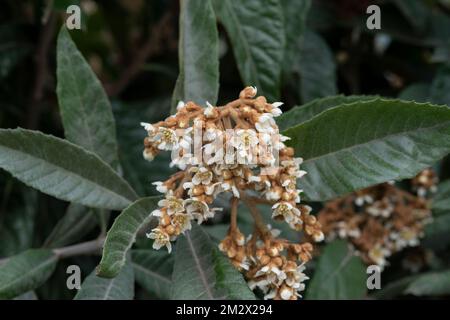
(132, 45)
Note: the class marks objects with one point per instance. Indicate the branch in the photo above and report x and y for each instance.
(41, 71)
(84, 248)
(150, 48)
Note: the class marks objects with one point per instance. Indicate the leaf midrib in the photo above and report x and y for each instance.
(62, 169)
(31, 272)
(315, 158)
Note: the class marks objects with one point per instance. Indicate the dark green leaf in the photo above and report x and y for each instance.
(440, 88)
(300, 114)
(256, 31)
(73, 226)
(317, 68)
(430, 284)
(17, 226)
(199, 272)
(441, 201)
(419, 92)
(153, 270)
(198, 80)
(295, 13)
(339, 274)
(25, 272)
(139, 172)
(122, 235)
(357, 145)
(85, 109)
(62, 169)
(118, 288)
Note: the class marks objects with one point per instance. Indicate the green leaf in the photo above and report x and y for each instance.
(339, 274)
(153, 270)
(419, 92)
(118, 288)
(85, 109)
(17, 226)
(441, 201)
(200, 273)
(73, 226)
(300, 114)
(440, 87)
(394, 288)
(122, 235)
(295, 13)
(256, 32)
(317, 69)
(62, 169)
(361, 144)
(415, 11)
(25, 272)
(198, 80)
(430, 284)
(30, 295)
(131, 136)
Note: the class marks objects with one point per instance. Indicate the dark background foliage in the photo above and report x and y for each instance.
(132, 46)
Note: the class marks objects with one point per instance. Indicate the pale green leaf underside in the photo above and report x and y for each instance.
(26, 271)
(200, 274)
(357, 145)
(256, 31)
(153, 270)
(198, 80)
(62, 169)
(339, 274)
(85, 109)
(118, 288)
(122, 235)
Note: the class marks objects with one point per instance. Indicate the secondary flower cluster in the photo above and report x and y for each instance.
(235, 149)
(381, 220)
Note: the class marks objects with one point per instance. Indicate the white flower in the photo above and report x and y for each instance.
(161, 239)
(378, 255)
(380, 208)
(266, 123)
(210, 111)
(202, 176)
(172, 203)
(148, 127)
(182, 161)
(166, 139)
(290, 213)
(180, 105)
(276, 111)
(199, 209)
(160, 186)
(182, 220)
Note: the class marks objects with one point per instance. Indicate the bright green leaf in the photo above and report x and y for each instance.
(85, 109)
(199, 272)
(357, 145)
(256, 31)
(198, 80)
(62, 169)
(25, 272)
(122, 235)
(339, 274)
(153, 270)
(118, 288)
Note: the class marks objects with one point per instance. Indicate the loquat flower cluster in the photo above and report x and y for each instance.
(381, 220)
(235, 149)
